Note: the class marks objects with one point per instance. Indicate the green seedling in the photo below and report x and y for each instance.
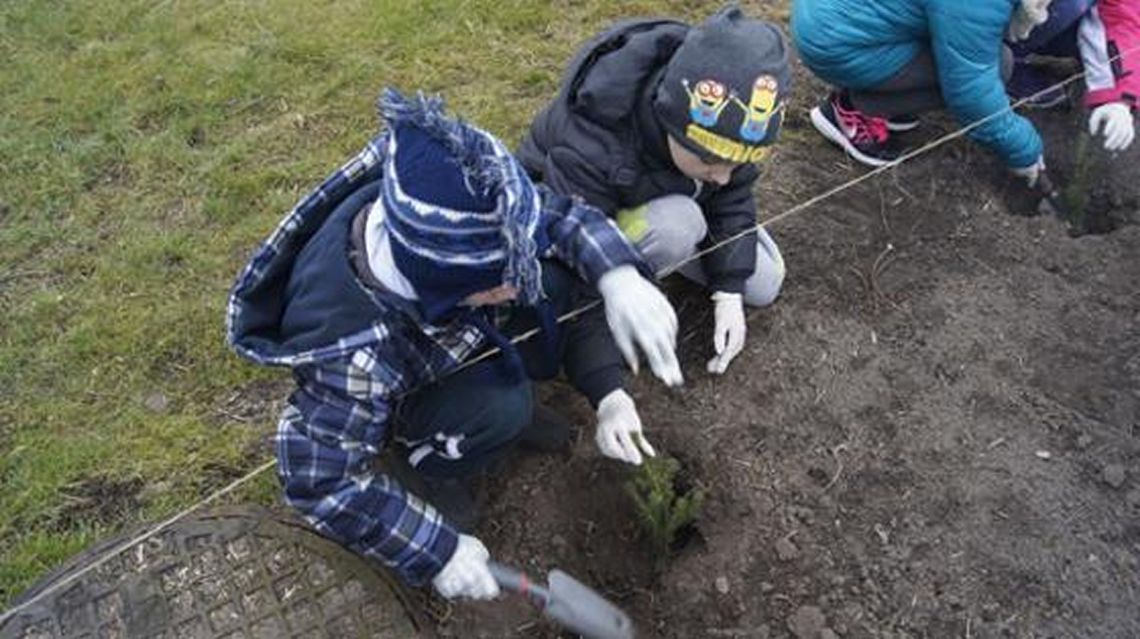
(662, 511)
(1075, 195)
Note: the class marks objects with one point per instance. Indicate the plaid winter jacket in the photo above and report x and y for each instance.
(355, 350)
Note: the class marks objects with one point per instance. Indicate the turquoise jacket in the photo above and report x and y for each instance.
(858, 44)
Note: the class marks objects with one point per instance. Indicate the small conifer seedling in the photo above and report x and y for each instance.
(661, 511)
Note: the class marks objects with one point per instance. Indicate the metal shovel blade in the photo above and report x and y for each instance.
(1052, 202)
(578, 608)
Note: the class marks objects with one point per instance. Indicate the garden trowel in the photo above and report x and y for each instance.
(569, 602)
(1052, 201)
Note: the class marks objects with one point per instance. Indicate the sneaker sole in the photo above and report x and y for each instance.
(902, 127)
(829, 131)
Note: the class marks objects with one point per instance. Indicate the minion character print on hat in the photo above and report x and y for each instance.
(760, 109)
(706, 102)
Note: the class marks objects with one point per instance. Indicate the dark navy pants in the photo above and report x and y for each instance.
(461, 424)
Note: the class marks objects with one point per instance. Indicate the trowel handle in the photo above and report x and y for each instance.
(1046, 187)
(517, 581)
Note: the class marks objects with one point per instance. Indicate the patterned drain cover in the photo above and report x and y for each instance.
(235, 573)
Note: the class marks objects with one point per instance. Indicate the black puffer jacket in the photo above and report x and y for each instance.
(600, 140)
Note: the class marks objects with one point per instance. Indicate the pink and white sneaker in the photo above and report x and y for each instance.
(864, 137)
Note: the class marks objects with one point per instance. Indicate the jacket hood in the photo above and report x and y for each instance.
(600, 82)
(298, 300)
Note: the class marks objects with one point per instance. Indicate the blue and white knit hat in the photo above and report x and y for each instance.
(461, 212)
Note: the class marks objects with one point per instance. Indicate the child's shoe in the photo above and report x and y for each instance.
(864, 137)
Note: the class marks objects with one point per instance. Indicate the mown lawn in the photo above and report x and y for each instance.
(145, 149)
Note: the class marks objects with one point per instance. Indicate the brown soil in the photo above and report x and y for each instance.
(934, 433)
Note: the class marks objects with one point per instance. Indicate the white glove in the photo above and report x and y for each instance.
(1119, 130)
(1031, 173)
(619, 429)
(466, 573)
(637, 312)
(729, 330)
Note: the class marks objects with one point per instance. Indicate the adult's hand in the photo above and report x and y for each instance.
(640, 314)
(466, 574)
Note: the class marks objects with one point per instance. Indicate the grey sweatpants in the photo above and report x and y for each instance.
(914, 89)
(669, 229)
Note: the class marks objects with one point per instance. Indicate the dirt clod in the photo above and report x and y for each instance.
(1084, 441)
(197, 137)
(786, 550)
(1114, 475)
(1133, 498)
(807, 623)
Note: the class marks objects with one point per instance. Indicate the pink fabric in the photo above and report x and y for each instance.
(1118, 34)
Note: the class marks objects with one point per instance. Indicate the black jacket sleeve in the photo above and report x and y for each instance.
(731, 211)
(567, 172)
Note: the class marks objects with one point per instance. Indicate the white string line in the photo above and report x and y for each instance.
(563, 318)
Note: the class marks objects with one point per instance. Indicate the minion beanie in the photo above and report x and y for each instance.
(723, 93)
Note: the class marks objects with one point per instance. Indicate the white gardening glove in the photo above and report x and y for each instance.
(1032, 173)
(1119, 129)
(466, 574)
(619, 429)
(637, 312)
(728, 331)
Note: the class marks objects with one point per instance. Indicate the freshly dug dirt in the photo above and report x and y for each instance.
(915, 441)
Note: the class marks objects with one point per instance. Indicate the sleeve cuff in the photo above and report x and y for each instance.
(728, 284)
(596, 385)
(431, 559)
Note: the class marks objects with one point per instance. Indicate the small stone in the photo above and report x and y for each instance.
(1114, 475)
(786, 550)
(1084, 441)
(1134, 498)
(828, 633)
(558, 541)
(766, 587)
(805, 515)
(722, 585)
(807, 623)
(157, 403)
(1044, 454)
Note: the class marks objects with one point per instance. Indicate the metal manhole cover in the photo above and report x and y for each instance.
(235, 573)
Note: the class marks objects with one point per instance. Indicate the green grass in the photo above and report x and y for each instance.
(145, 149)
